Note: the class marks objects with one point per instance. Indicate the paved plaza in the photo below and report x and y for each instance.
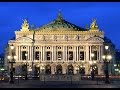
(60, 84)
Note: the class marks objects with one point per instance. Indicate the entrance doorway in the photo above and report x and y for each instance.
(70, 69)
(82, 70)
(59, 69)
(37, 71)
(48, 69)
(95, 69)
(24, 69)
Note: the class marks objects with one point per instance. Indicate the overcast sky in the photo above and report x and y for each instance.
(41, 13)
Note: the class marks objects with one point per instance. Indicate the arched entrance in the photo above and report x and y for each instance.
(59, 69)
(37, 71)
(24, 69)
(47, 69)
(70, 69)
(82, 70)
(95, 69)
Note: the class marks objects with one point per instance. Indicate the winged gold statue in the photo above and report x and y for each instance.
(93, 24)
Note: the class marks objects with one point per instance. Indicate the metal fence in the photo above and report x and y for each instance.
(60, 77)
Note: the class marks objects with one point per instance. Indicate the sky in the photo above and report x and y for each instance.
(12, 14)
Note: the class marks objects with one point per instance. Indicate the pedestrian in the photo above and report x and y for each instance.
(92, 75)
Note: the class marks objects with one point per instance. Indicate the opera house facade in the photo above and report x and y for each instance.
(58, 47)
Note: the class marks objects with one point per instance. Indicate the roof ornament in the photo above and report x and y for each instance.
(59, 16)
(93, 24)
(25, 25)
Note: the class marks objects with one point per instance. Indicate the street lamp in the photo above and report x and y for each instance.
(106, 59)
(11, 61)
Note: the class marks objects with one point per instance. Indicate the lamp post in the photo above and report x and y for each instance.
(11, 61)
(106, 59)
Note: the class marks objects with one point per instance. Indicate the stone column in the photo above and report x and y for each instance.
(66, 54)
(41, 53)
(63, 70)
(100, 69)
(84, 55)
(74, 54)
(90, 51)
(99, 52)
(20, 54)
(63, 53)
(75, 72)
(52, 69)
(30, 53)
(17, 52)
(102, 51)
(52, 53)
(44, 54)
(77, 54)
(87, 68)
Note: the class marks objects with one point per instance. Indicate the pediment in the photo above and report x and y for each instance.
(95, 39)
(24, 40)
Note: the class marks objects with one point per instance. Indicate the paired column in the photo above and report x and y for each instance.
(90, 52)
(74, 53)
(64, 53)
(16, 52)
(77, 54)
(28, 53)
(54, 53)
(32, 53)
(43, 53)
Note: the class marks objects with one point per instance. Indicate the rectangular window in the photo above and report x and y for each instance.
(82, 55)
(49, 55)
(24, 57)
(95, 55)
(89, 53)
(59, 55)
(37, 55)
(70, 55)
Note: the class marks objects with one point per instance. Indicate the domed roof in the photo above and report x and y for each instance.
(59, 22)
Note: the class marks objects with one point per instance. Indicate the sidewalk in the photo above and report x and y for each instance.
(59, 84)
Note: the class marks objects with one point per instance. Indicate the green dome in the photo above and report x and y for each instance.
(59, 22)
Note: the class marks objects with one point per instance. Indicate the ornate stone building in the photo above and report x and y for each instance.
(58, 47)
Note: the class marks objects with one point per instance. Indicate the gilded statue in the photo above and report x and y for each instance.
(25, 24)
(93, 24)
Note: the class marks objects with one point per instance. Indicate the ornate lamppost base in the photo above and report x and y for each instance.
(26, 78)
(107, 82)
(11, 82)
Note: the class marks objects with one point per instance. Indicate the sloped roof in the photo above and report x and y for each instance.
(59, 22)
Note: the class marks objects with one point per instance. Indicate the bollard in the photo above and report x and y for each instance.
(44, 79)
(97, 79)
(71, 80)
(18, 79)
